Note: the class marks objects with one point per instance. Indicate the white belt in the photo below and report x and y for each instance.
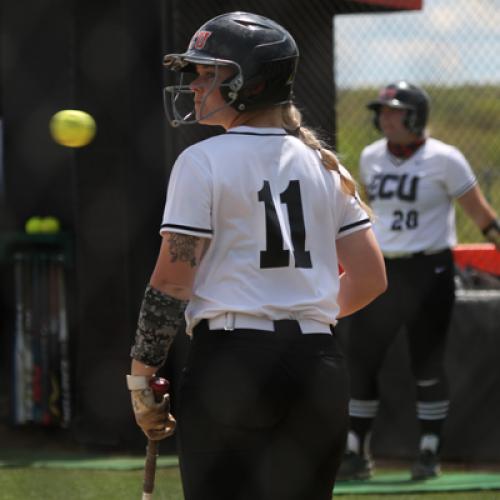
(233, 321)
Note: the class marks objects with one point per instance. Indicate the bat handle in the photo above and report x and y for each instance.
(160, 387)
(149, 468)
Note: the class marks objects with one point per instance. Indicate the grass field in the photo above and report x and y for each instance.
(56, 484)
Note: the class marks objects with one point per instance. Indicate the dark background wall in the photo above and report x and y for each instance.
(105, 58)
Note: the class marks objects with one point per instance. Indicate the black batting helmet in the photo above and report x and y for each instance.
(404, 95)
(263, 54)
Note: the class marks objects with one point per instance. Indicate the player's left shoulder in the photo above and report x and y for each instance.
(439, 147)
(440, 151)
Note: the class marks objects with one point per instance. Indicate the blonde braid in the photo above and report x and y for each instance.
(292, 122)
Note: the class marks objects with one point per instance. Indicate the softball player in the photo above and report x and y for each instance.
(256, 222)
(411, 181)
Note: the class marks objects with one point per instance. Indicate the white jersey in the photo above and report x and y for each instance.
(273, 213)
(413, 199)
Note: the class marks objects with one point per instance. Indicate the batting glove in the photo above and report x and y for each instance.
(152, 415)
(492, 232)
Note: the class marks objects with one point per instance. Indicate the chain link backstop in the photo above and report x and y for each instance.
(452, 49)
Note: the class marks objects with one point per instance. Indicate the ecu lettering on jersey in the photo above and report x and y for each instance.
(403, 187)
(414, 199)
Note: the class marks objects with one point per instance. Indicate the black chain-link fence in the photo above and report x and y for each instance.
(449, 47)
(105, 58)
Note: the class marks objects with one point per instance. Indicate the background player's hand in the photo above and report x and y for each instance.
(153, 417)
(492, 233)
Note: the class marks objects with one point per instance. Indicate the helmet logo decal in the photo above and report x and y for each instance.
(199, 40)
(388, 93)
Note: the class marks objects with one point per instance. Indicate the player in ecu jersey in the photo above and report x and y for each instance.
(256, 223)
(411, 181)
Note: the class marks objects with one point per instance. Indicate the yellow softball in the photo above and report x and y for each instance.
(72, 128)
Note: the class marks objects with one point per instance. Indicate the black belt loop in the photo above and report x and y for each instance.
(287, 327)
(201, 327)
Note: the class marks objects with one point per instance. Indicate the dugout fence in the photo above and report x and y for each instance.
(450, 48)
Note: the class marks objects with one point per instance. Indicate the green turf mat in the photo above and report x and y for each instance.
(382, 483)
(82, 461)
(400, 482)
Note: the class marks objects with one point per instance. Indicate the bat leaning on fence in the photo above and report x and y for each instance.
(25, 382)
(19, 343)
(63, 344)
(55, 401)
(41, 367)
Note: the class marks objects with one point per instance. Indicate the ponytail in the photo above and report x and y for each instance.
(292, 122)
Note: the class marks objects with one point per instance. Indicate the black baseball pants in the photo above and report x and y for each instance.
(420, 297)
(262, 415)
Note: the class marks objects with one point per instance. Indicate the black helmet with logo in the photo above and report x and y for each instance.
(263, 54)
(404, 95)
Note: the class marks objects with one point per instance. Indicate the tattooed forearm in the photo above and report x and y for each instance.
(182, 248)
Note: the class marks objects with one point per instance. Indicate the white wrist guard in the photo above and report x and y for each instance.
(138, 382)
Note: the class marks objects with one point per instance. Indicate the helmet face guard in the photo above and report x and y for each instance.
(178, 99)
(263, 54)
(403, 95)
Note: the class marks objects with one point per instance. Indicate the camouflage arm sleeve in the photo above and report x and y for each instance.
(159, 320)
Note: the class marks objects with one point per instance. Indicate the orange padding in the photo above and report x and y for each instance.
(481, 256)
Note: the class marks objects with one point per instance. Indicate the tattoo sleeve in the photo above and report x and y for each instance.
(159, 320)
(183, 248)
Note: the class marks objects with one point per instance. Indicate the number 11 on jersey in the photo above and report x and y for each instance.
(275, 255)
